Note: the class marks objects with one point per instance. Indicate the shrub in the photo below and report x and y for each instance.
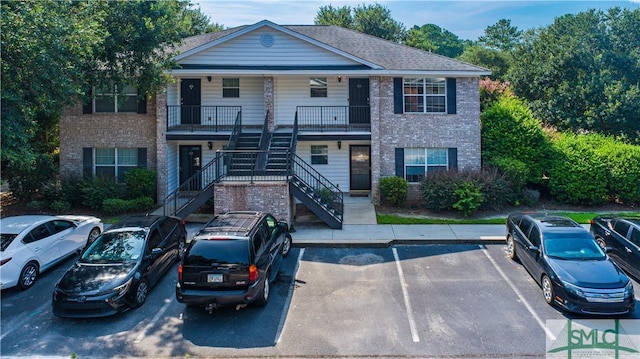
(394, 190)
(37, 206)
(113, 206)
(437, 190)
(28, 176)
(469, 198)
(95, 191)
(497, 190)
(60, 206)
(516, 171)
(141, 182)
(623, 167)
(142, 204)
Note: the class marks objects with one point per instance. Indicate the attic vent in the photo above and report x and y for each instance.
(267, 40)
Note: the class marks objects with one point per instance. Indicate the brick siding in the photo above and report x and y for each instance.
(270, 197)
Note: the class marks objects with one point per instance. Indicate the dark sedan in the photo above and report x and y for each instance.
(117, 270)
(566, 261)
(621, 236)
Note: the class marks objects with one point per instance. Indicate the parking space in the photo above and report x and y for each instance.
(417, 300)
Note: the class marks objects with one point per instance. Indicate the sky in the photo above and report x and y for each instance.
(465, 19)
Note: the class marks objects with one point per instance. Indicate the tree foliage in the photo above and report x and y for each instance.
(370, 19)
(582, 73)
(432, 38)
(501, 36)
(495, 60)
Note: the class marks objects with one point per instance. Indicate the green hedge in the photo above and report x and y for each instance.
(394, 190)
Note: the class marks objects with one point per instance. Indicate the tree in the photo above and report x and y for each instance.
(432, 38)
(54, 51)
(374, 20)
(501, 36)
(495, 60)
(581, 73)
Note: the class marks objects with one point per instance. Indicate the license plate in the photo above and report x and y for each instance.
(214, 278)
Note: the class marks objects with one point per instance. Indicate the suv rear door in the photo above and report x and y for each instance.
(216, 264)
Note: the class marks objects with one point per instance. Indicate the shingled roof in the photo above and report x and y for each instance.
(386, 54)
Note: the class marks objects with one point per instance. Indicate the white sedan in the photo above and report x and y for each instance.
(31, 244)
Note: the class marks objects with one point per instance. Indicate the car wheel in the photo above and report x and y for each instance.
(28, 276)
(182, 245)
(141, 293)
(93, 235)
(286, 246)
(511, 248)
(263, 298)
(601, 242)
(547, 289)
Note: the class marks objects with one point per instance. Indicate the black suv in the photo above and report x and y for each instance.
(232, 260)
(566, 261)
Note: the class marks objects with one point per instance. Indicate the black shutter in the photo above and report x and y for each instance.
(87, 162)
(453, 158)
(142, 102)
(451, 95)
(400, 162)
(142, 157)
(397, 95)
(87, 102)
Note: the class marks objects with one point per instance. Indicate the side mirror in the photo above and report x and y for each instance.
(283, 224)
(607, 249)
(156, 251)
(533, 248)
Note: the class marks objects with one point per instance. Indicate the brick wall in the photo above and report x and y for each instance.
(270, 197)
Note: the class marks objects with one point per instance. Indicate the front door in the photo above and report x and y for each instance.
(190, 164)
(359, 113)
(190, 101)
(360, 168)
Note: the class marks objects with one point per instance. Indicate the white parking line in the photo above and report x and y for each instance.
(154, 320)
(407, 302)
(520, 296)
(287, 303)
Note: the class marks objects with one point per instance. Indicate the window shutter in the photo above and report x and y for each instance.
(142, 157)
(397, 95)
(453, 158)
(87, 102)
(451, 95)
(400, 162)
(142, 102)
(87, 162)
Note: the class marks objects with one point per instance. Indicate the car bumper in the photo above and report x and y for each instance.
(67, 306)
(580, 305)
(217, 298)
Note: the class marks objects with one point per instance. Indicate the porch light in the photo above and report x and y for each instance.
(210, 145)
(209, 78)
(339, 145)
(339, 78)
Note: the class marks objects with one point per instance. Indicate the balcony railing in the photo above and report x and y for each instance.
(202, 118)
(334, 118)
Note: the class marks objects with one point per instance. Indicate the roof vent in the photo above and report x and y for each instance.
(267, 40)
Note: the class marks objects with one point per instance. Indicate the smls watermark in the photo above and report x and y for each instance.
(593, 338)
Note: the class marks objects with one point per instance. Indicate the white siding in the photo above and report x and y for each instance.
(173, 158)
(247, 50)
(293, 91)
(251, 97)
(337, 170)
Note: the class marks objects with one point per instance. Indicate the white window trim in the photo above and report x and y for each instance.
(117, 167)
(426, 164)
(425, 95)
(115, 94)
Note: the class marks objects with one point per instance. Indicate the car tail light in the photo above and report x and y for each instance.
(253, 273)
(180, 273)
(4, 260)
(591, 221)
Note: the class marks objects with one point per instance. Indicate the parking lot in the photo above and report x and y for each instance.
(439, 301)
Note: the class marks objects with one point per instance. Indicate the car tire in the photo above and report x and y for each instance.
(601, 242)
(263, 298)
(547, 289)
(140, 295)
(28, 275)
(511, 248)
(95, 232)
(286, 245)
(182, 247)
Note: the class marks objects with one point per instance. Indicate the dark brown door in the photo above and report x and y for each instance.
(359, 112)
(360, 167)
(190, 164)
(190, 92)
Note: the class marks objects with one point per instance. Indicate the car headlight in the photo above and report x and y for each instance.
(122, 288)
(628, 290)
(573, 289)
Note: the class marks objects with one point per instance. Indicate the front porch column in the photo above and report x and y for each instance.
(268, 101)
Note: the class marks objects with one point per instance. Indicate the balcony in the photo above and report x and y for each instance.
(334, 118)
(202, 118)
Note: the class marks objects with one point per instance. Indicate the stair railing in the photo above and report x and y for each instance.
(263, 145)
(325, 192)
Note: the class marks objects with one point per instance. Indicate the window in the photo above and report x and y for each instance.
(319, 155)
(425, 95)
(110, 99)
(231, 87)
(114, 162)
(318, 86)
(419, 162)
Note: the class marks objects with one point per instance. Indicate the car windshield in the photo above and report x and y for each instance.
(113, 247)
(5, 240)
(572, 247)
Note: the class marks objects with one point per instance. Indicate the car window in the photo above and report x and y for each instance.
(205, 253)
(534, 236)
(6, 240)
(635, 236)
(525, 226)
(621, 228)
(168, 226)
(116, 246)
(571, 246)
(258, 240)
(59, 225)
(154, 240)
(38, 233)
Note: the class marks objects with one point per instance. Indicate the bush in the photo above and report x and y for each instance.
(497, 190)
(95, 191)
(469, 198)
(112, 206)
(623, 167)
(27, 177)
(143, 204)
(516, 171)
(394, 190)
(60, 206)
(437, 190)
(37, 206)
(141, 182)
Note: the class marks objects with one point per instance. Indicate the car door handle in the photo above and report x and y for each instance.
(36, 249)
(607, 233)
(628, 250)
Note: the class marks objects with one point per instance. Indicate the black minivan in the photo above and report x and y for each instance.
(232, 260)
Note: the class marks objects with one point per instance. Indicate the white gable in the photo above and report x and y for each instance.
(266, 46)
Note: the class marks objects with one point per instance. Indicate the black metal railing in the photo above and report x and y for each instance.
(320, 188)
(263, 145)
(201, 118)
(334, 118)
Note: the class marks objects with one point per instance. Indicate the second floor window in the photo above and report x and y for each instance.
(113, 98)
(318, 86)
(425, 95)
(231, 87)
